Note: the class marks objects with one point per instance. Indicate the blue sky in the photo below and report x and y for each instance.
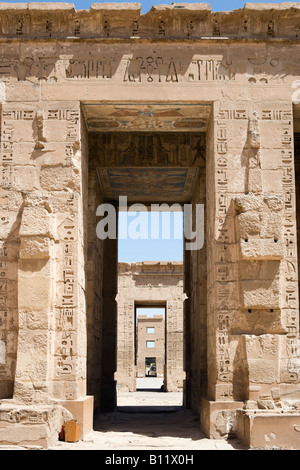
(150, 312)
(150, 237)
(216, 5)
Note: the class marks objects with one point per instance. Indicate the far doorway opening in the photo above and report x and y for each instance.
(150, 350)
(150, 367)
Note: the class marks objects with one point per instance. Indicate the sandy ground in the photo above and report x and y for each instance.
(148, 420)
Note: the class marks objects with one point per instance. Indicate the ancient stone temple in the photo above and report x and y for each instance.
(180, 105)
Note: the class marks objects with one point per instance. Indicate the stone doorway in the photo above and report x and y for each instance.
(151, 338)
(155, 155)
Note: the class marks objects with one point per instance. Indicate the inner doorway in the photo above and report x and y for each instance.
(150, 347)
(150, 310)
(149, 154)
(150, 367)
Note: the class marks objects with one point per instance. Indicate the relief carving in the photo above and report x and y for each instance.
(151, 68)
(66, 301)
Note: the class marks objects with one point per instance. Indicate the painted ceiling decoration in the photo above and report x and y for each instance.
(158, 117)
(147, 152)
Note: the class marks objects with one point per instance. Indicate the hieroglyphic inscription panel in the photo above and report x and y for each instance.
(224, 366)
(226, 293)
(146, 64)
(290, 367)
(67, 303)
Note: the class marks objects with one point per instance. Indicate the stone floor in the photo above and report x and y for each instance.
(148, 420)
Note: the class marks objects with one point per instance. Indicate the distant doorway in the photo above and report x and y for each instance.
(150, 367)
(150, 346)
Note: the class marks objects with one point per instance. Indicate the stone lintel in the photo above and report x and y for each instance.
(152, 268)
(155, 318)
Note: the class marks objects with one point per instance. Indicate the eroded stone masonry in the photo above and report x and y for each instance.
(180, 105)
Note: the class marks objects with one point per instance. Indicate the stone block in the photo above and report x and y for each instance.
(218, 419)
(83, 411)
(259, 227)
(261, 249)
(37, 221)
(260, 293)
(36, 248)
(269, 430)
(262, 355)
(248, 202)
(36, 426)
(23, 91)
(23, 177)
(257, 321)
(249, 224)
(34, 292)
(8, 222)
(58, 178)
(255, 180)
